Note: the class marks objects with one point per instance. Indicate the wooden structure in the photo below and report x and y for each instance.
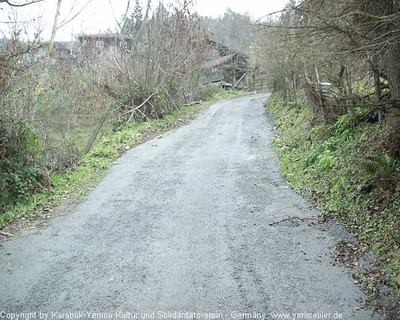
(105, 42)
(224, 66)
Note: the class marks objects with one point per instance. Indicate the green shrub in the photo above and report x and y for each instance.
(21, 168)
(345, 171)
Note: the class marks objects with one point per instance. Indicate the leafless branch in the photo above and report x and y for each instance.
(77, 14)
(19, 5)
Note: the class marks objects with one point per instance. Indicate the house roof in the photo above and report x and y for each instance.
(216, 77)
(66, 46)
(111, 36)
(218, 61)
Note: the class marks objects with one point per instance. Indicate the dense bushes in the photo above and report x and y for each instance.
(55, 107)
(71, 184)
(22, 170)
(52, 126)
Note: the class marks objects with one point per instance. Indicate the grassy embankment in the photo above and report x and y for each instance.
(344, 170)
(72, 185)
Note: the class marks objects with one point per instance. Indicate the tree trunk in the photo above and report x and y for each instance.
(54, 30)
(393, 72)
(377, 84)
(393, 63)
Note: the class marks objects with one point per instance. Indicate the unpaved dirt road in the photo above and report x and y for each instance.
(181, 224)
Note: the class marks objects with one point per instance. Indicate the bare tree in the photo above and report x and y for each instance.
(339, 41)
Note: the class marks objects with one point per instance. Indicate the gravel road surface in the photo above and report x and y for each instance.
(180, 228)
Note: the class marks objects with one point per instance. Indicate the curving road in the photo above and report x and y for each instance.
(179, 228)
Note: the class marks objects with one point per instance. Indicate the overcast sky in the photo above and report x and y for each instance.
(100, 15)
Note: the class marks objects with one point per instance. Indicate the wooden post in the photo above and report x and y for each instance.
(321, 100)
(349, 90)
(294, 88)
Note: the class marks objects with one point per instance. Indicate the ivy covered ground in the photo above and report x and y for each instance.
(346, 170)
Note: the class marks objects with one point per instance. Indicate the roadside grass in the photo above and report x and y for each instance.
(344, 170)
(70, 187)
